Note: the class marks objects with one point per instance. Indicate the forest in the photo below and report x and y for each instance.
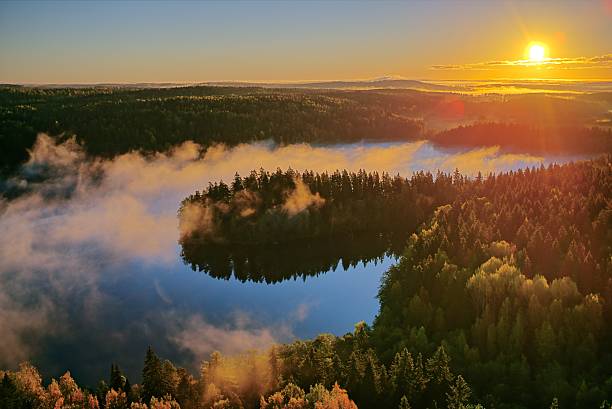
(500, 299)
(501, 292)
(111, 121)
(509, 276)
(528, 138)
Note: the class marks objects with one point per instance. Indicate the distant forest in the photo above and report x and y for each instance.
(111, 121)
(528, 138)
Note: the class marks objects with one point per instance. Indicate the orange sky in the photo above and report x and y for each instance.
(183, 41)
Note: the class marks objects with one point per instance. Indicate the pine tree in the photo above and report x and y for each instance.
(169, 379)
(9, 397)
(406, 377)
(185, 391)
(404, 404)
(438, 367)
(459, 394)
(151, 376)
(116, 379)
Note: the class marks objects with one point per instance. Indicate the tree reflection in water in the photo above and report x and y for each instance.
(274, 263)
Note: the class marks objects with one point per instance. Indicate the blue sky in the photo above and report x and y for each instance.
(112, 41)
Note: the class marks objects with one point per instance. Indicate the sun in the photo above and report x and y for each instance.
(537, 52)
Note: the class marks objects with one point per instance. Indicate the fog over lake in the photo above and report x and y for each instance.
(90, 267)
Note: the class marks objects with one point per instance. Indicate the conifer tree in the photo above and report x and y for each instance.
(152, 382)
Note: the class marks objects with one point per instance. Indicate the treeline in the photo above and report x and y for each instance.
(406, 381)
(269, 208)
(246, 381)
(570, 140)
(302, 375)
(313, 219)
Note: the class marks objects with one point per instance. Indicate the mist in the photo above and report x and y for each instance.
(75, 226)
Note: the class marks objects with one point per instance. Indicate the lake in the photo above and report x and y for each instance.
(91, 272)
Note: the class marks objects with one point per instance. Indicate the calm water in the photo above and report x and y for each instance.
(91, 272)
(185, 314)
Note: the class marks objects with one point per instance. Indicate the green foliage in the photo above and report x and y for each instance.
(404, 403)
(485, 278)
(9, 394)
(158, 378)
(459, 394)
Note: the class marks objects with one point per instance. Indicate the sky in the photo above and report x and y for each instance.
(191, 41)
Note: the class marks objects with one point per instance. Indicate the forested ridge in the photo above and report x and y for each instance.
(501, 298)
(114, 121)
(514, 278)
(110, 121)
(518, 137)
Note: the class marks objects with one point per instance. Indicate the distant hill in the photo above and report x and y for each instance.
(384, 82)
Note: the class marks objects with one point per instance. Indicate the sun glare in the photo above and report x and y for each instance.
(537, 52)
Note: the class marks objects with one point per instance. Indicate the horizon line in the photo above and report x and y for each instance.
(299, 82)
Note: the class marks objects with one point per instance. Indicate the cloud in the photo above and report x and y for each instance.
(602, 61)
(17, 320)
(195, 217)
(302, 311)
(484, 160)
(240, 335)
